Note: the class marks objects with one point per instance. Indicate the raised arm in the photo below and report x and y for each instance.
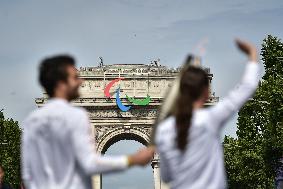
(93, 163)
(236, 98)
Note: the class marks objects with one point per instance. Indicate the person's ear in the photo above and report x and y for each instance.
(61, 86)
(206, 93)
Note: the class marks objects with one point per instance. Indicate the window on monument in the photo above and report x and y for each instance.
(134, 178)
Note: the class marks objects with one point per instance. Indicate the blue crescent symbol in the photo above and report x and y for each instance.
(119, 103)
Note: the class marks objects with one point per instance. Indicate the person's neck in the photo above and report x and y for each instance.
(61, 96)
(198, 104)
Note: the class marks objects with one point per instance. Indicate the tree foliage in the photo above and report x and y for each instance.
(251, 159)
(10, 140)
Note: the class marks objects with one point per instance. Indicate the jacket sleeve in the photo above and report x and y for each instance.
(164, 168)
(86, 155)
(236, 98)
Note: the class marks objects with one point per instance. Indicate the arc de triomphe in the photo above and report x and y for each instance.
(109, 123)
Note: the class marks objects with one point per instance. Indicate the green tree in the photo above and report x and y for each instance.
(252, 158)
(10, 141)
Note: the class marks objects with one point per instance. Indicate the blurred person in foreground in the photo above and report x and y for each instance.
(188, 138)
(58, 150)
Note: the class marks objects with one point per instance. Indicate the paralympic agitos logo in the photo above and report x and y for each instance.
(132, 100)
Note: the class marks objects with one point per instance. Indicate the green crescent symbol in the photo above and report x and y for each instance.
(141, 102)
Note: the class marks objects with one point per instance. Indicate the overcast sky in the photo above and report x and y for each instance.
(127, 31)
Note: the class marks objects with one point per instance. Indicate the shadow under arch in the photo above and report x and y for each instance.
(116, 135)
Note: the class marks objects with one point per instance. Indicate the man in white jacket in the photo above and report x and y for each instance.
(58, 151)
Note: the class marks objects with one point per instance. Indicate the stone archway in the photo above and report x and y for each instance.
(121, 133)
(130, 133)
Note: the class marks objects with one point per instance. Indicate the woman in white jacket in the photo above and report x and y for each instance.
(188, 140)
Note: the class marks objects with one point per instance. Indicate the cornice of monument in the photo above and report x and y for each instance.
(153, 73)
(130, 70)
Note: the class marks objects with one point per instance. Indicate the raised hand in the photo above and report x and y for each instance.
(248, 48)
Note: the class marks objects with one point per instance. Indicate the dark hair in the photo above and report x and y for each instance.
(193, 81)
(52, 70)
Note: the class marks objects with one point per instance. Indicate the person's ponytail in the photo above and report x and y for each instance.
(193, 81)
(183, 120)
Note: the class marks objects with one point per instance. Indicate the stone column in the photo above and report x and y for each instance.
(158, 184)
(97, 182)
(96, 179)
(156, 174)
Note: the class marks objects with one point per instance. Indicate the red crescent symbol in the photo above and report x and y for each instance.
(107, 88)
